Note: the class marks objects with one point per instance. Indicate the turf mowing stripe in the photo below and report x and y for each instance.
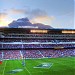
(4, 68)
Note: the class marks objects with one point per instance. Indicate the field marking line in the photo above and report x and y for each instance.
(26, 69)
(4, 68)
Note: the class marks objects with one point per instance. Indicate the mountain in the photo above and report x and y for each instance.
(25, 23)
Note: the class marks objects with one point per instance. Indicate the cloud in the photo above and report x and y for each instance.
(47, 20)
(40, 16)
(29, 12)
(37, 12)
(4, 19)
(34, 15)
(3, 16)
(18, 11)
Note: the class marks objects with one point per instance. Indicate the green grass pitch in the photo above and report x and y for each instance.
(61, 66)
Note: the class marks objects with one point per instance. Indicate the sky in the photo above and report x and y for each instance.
(56, 13)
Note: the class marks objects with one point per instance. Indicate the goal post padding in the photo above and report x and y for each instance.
(0, 62)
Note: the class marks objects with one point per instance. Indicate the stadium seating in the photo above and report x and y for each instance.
(11, 54)
(0, 55)
(36, 40)
(15, 45)
(17, 54)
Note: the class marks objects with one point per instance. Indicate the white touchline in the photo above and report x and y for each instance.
(4, 67)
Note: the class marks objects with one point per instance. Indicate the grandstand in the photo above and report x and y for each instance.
(18, 43)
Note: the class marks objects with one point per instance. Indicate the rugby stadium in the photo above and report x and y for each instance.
(32, 51)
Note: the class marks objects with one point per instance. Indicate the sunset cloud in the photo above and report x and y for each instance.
(28, 12)
(37, 12)
(51, 12)
(34, 15)
(43, 19)
(3, 16)
(4, 19)
(18, 11)
(40, 16)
